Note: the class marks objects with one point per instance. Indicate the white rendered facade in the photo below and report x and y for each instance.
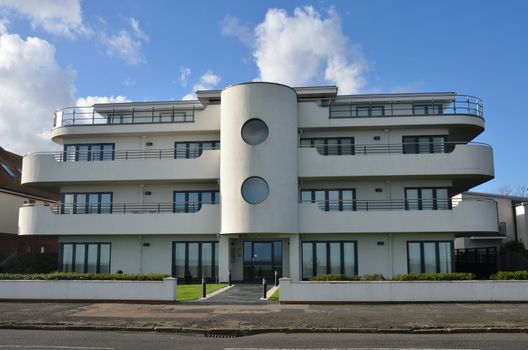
(335, 184)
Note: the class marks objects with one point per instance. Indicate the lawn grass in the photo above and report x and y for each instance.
(186, 292)
(275, 296)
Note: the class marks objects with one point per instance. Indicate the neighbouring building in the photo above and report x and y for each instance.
(12, 196)
(261, 177)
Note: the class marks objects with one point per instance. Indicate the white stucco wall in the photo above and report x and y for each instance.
(89, 290)
(396, 291)
(274, 160)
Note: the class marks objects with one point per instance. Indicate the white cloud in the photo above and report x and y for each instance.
(59, 17)
(32, 86)
(185, 72)
(125, 44)
(232, 26)
(305, 48)
(207, 81)
(129, 82)
(3, 25)
(91, 100)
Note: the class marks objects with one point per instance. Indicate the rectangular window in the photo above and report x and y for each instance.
(192, 261)
(341, 199)
(427, 199)
(85, 257)
(193, 149)
(334, 146)
(88, 152)
(370, 111)
(429, 256)
(424, 144)
(86, 203)
(427, 109)
(325, 257)
(191, 201)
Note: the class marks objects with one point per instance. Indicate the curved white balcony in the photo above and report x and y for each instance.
(466, 218)
(461, 114)
(135, 118)
(136, 220)
(471, 164)
(155, 165)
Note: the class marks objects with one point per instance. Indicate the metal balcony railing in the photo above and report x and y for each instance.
(334, 149)
(108, 155)
(384, 205)
(71, 116)
(125, 208)
(458, 105)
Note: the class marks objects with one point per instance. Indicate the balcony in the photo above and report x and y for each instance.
(462, 114)
(53, 169)
(140, 118)
(119, 219)
(463, 218)
(468, 164)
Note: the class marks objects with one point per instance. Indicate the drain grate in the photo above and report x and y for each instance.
(220, 335)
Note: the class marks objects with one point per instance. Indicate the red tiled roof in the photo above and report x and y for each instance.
(13, 162)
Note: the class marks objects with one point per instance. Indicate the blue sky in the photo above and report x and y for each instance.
(161, 50)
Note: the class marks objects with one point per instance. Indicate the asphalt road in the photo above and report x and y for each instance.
(104, 340)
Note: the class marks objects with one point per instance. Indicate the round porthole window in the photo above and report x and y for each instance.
(254, 131)
(255, 190)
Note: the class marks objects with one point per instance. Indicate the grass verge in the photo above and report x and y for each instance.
(275, 296)
(186, 292)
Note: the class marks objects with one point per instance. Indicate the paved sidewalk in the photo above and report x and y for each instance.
(403, 318)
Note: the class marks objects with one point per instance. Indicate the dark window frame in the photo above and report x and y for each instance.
(435, 197)
(326, 146)
(369, 109)
(415, 144)
(86, 205)
(90, 152)
(215, 199)
(437, 255)
(215, 144)
(429, 108)
(328, 267)
(85, 263)
(214, 244)
(327, 197)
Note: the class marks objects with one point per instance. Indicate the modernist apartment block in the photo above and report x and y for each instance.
(261, 177)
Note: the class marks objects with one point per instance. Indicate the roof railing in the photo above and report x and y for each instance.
(77, 116)
(457, 105)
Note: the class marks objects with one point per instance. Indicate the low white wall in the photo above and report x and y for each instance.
(89, 290)
(396, 291)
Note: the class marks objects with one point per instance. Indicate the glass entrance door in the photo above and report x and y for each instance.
(261, 260)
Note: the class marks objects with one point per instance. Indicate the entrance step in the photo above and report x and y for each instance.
(238, 294)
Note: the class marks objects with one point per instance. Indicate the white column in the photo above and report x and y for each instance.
(294, 258)
(223, 258)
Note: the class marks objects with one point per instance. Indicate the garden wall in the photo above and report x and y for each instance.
(89, 290)
(401, 291)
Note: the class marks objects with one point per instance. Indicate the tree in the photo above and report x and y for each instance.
(518, 190)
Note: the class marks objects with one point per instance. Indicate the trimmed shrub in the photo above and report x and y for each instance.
(341, 277)
(510, 275)
(84, 276)
(453, 276)
(30, 263)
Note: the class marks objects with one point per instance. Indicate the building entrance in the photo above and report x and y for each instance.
(261, 260)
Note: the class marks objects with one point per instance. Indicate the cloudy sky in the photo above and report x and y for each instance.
(56, 53)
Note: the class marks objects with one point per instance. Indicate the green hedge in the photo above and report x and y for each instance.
(453, 276)
(83, 276)
(510, 275)
(408, 277)
(341, 277)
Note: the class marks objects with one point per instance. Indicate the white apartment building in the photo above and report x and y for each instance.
(261, 177)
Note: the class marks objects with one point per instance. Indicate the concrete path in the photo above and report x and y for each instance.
(238, 294)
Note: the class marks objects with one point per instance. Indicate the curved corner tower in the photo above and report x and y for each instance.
(258, 161)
